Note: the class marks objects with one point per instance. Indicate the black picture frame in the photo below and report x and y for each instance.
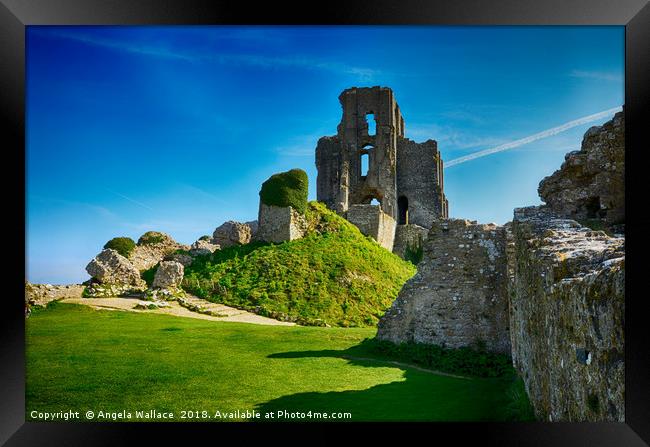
(15, 15)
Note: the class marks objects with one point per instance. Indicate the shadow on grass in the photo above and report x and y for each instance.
(421, 395)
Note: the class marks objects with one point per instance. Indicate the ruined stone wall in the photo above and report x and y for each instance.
(380, 181)
(340, 182)
(279, 224)
(372, 222)
(591, 182)
(419, 181)
(458, 295)
(408, 236)
(330, 188)
(566, 317)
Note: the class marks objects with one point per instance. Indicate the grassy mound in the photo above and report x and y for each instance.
(286, 189)
(334, 275)
(122, 245)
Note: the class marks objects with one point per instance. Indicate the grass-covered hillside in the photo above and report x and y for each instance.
(334, 275)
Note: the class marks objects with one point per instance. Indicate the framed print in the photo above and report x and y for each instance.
(241, 219)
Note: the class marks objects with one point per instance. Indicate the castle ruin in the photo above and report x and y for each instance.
(370, 158)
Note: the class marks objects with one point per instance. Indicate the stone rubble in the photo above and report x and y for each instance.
(145, 256)
(42, 294)
(232, 233)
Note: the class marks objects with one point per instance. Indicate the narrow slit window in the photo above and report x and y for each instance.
(372, 125)
(365, 164)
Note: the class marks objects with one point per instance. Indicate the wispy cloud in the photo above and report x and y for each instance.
(267, 62)
(538, 136)
(363, 73)
(130, 199)
(599, 75)
(130, 47)
(300, 146)
(98, 209)
(201, 192)
(447, 136)
(166, 225)
(463, 115)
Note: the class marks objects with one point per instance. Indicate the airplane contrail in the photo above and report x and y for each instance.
(537, 136)
(130, 199)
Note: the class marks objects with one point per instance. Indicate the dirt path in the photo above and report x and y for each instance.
(228, 313)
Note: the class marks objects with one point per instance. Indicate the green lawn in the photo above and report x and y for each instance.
(82, 359)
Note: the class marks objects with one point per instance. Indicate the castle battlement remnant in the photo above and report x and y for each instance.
(370, 158)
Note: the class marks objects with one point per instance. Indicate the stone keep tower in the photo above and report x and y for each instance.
(370, 158)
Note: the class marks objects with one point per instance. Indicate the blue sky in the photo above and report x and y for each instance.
(174, 129)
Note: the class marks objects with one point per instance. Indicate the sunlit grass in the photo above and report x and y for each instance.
(82, 359)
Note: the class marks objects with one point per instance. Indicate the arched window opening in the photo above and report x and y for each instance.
(402, 210)
(372, 124)
(375, 202)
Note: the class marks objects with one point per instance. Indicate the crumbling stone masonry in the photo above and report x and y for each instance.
(590, 185)
(145, 256)
(566, 317)
(405, 177)
(373, 222)
(458, 295)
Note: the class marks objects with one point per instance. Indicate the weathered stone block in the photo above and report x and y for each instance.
(203, 247)
(279, 224)
(231, 233)
(373, 222)
(169, 275)
(110, 267)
